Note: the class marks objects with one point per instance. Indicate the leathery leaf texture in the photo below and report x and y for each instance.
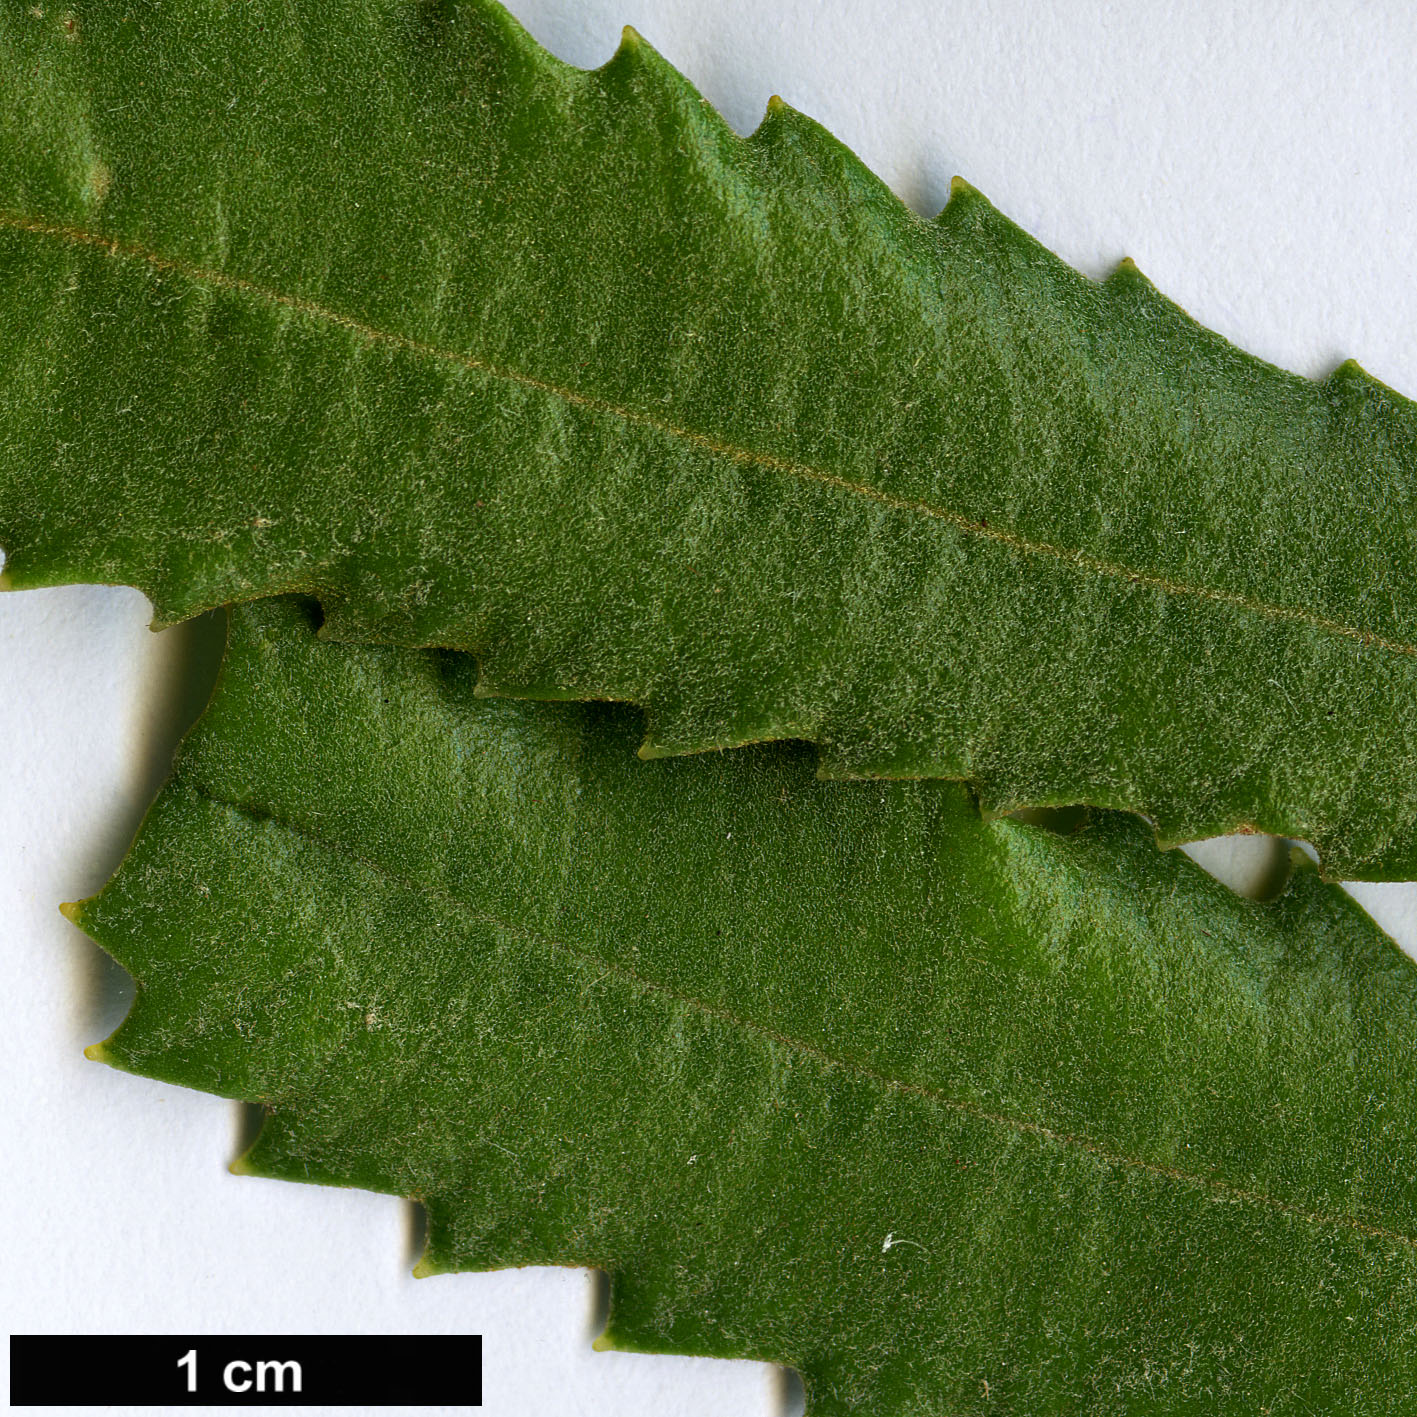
(952, 1115)
(378, 301)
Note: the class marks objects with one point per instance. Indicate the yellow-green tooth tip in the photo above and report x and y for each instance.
(96, 1053)
(71, 910)
(776, 104)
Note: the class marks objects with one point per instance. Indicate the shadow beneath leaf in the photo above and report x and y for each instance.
(106, 991)
(1063, 820)
(599, 1309)
(1254, 865)
(415, 1232)
(791, 1395)
(248, 1119)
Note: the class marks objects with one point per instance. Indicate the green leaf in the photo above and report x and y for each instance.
(383, 303)
(951, 1115)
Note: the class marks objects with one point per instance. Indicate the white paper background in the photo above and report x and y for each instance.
(1261, 167)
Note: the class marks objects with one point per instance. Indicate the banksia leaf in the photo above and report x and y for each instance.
(952, 1115)
(385, 304)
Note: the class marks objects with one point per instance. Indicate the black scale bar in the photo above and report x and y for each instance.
(269, 1370)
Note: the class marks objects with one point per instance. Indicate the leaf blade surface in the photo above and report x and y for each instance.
(551, 366)
(951, 1115)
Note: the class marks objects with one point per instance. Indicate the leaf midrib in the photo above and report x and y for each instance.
(1022, 1126)
(1079, 560)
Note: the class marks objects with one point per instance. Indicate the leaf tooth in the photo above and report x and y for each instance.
(135, 1046)
(962, 190)
(242, 1166)
(1128, 278)
(1350, 369)
(267, 1155)
(638, 74)
(778, 116)
(1350, 377)
(638, 61)
(86, 916)
(965, 201)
